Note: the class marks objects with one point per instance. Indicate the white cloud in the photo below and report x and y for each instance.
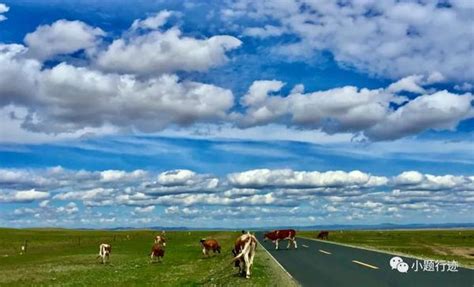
(44, 203)
(409, 177)
(440, 111)
(335, 110)
(69, 209)
(66, 101)
(248, 194)
(66, 98)
(120, 175)
(3, 9)
(61, 37)
(286, 178)
(23, 196)
(409, 84)
(177, 177)
(157, 52)
(153, 22)
(264, 32)
(146, 209)
(349, 109)
(389, 38)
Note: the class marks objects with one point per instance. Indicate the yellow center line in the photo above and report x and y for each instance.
(325, 252)
(365, 264)
(305, 246)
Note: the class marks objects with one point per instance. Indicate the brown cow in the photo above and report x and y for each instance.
(157, 252)
(208, 245)
(323, 235)
(244, 253)
(285, 234)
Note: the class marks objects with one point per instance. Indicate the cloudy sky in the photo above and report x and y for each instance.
(236, 113)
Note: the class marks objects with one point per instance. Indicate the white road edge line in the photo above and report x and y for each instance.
(278, 263)
(324, 251)
(305, 246)
(365, 264)
(378, 250)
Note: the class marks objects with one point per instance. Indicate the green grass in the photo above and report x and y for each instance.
(61, 257)
(434, 244)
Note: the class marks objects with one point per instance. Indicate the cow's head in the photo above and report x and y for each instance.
(160, 239)
(266, 237)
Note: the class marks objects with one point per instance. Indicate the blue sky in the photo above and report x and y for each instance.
(190, 114)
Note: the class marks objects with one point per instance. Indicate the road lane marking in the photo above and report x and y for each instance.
(324, 251)
(305, 246)
(377, 250)
(365, 264)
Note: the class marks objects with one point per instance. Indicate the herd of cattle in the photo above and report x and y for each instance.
(243, 251)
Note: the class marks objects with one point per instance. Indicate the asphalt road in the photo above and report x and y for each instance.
(317, 263)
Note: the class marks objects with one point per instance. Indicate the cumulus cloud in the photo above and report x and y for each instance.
(440, 111)
(61, 37)
(153, 22)
(129, 85)
(69, 208)
(259, 193)
(3, 9)
(157, 52)
(23, 196)
(145, 209)
(264, 32)
(177, 177)
(287, 178)
(350, 109)
(120, 175)
(66, 98)
(389, 38)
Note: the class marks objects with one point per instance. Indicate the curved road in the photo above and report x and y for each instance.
(318, 263)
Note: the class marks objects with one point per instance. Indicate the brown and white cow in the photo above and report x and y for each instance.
(284, 234)
(160, 239)
(157, 252)
(244, 253)
(209, 245)
(104, 252)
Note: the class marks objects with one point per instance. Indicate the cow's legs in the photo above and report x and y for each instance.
(276, 244)
(247, 265)
(294, 242)
(289, 243)
(251, 260)
(204, 251)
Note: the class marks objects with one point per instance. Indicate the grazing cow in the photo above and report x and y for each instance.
(160, 239)
(277, 235)
(210, 244)
(157, 252)
(323, 235)
(244, 253)
(104, 252)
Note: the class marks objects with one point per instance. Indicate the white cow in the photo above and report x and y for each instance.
(244, 252)
(104, 252)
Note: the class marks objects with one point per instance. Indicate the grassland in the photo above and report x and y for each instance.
(68, 258)
(434, 244)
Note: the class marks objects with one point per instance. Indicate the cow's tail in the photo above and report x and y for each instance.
(244, 250)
